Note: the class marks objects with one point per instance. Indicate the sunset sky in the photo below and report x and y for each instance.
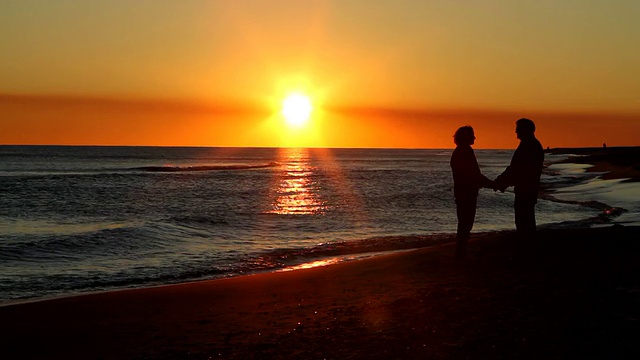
(379, 73)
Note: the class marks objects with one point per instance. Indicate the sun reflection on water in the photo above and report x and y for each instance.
(313, 264)
(298, 192)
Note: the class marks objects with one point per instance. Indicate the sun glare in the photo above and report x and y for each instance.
(296, 109)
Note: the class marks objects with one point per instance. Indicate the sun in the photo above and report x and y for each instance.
(297, 109)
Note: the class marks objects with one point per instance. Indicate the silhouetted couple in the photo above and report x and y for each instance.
(523, 173)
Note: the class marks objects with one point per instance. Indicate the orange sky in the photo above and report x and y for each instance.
(73, 121)
(389, 74)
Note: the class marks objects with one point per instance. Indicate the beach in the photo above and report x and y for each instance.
(570, 294)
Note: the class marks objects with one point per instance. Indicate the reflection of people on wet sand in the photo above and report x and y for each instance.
(467, 180)
(523, 173)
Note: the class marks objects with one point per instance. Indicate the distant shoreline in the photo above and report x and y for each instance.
(593, 150)
(616, 162)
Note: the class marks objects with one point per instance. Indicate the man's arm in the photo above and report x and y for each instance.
(507, 178)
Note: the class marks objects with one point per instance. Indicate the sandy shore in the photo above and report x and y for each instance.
(574, 294)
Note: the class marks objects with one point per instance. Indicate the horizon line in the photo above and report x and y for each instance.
(306, 147)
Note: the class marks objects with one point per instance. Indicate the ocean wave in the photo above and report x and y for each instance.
(104, 242)
(287, 257)
(170, 168)
(48, 228)
(35, 174)
(605, 212)
(52, 285)
(207, 220)
(152, 277)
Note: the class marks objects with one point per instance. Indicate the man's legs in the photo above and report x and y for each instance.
(525, 205)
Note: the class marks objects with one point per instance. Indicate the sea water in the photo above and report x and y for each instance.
(79, 219)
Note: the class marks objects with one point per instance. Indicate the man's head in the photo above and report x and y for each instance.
(464, 136)
(525, 128)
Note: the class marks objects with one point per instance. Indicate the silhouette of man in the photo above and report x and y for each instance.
(523, 173)
(467, 180)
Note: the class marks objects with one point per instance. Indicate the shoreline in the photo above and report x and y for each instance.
(614, 162)
(507, 300)
(322, 262)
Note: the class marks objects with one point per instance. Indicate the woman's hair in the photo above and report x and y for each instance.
(463, 136)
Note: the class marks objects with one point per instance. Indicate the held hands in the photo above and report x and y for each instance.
(497, 185)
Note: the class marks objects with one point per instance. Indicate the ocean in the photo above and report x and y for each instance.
(77, 219)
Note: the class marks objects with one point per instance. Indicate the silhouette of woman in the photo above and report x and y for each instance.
(467, 181)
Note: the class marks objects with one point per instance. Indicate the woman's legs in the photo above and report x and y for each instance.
(466, 212)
